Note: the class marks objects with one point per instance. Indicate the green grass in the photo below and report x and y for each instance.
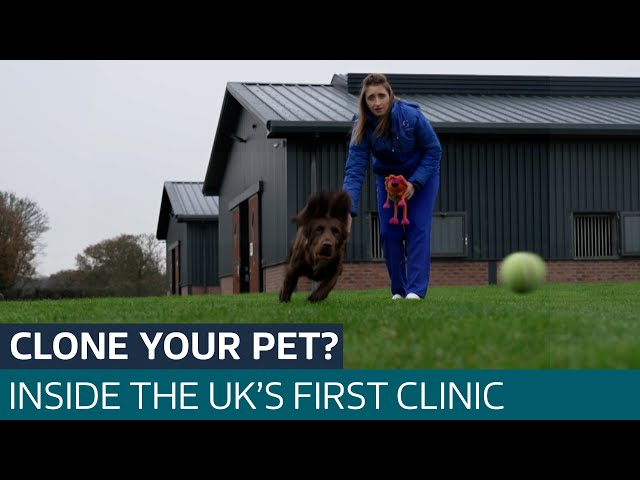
(559, 326)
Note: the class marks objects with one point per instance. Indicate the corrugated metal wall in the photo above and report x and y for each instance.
(176, 232)
(519, 192)
(259, 159)
(198, 247)
(599, 175)
(501, 185)
(315, 165)
(203, 259)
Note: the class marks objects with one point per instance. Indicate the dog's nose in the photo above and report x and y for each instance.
(395, 184)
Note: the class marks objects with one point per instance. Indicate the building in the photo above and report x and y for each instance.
(188, 222)
(544, 164)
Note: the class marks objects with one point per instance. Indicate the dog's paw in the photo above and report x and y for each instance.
(284, 298)
(314, 298)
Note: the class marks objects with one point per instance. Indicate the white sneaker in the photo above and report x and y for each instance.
(397, 296)
(412, 296)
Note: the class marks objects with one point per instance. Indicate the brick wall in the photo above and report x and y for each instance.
(272, 278)
(592, 271)
(226, 285)
(199, 290)
(458, 272)
(372, 275)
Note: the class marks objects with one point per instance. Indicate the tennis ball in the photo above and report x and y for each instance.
(522, 272)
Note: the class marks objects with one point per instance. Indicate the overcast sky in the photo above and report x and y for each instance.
(92, 142)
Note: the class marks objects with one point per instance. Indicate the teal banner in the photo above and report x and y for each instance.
(320, 394)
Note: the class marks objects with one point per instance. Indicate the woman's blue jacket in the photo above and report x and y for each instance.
(413, 150)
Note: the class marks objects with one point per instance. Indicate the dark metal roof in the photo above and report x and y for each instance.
(453, 104)
(295, 102)
(503, 84)
(531, 112)
(296, 108)
(185, 202)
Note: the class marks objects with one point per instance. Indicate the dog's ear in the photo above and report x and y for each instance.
(317, 206)
(340, 205)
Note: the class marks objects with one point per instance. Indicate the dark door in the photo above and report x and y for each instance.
(255, 272)
(240, 270)
(175, 270)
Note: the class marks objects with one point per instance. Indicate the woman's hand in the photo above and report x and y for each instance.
(410, 191)
(349, 220)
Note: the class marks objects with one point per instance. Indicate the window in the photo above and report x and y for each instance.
(630, 233)
(448, 235)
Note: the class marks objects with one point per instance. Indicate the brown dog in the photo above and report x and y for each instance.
(319, 245)
(396, 186)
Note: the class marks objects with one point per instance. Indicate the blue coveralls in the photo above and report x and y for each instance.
(414, 151)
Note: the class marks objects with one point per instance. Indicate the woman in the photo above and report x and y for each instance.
(400, 141)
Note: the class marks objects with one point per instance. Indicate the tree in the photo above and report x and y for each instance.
(126, 265)
(11, 242)
(22, 224)
(63, 284)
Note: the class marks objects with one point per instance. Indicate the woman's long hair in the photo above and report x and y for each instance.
(384, 122)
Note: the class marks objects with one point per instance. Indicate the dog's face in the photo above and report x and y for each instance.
(323, 225)
(319, 247)
(396, 184)
(325, 237)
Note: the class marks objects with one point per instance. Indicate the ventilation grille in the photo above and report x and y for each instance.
(594, 235)
(376, 245)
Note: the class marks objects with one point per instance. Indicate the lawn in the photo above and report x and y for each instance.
(558, 326)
